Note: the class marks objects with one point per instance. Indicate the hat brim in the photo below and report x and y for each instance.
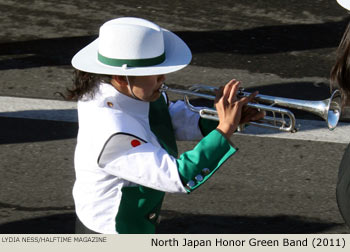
(177, 54)
(344, 3)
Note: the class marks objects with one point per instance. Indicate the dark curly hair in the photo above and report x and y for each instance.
(340, 73)
(85, 84)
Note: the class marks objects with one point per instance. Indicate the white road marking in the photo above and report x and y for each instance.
(310, 130)
(54, 110)
(38, 109)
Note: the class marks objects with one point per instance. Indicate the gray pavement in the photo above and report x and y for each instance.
(272, 185)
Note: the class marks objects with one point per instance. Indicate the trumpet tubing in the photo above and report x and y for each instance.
(329, 109)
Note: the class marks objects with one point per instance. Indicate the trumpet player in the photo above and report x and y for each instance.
(340, 78)
(340, 73)
(126, 156)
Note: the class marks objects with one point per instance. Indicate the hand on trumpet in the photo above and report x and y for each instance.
(232, 111)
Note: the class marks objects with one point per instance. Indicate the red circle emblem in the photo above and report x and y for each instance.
(135, 143)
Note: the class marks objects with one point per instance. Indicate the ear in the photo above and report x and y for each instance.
(119, 80)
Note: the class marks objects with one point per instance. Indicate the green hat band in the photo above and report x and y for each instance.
(131, 62)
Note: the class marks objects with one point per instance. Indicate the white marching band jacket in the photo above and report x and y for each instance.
(126, 158)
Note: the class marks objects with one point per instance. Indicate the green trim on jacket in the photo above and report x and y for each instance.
(198, 165)
(139, 210)
(162, 127)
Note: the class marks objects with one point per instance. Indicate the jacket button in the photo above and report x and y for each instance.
(110, 104)
(152, 216)
(205, 171)
(199, 178)
(190, 184)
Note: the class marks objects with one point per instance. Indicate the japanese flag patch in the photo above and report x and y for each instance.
(116, 146)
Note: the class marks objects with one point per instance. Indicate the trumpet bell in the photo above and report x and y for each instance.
(334, 110)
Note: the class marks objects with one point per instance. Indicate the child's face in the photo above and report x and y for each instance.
(146, 88)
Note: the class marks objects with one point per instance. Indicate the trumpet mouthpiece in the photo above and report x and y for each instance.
(163, 88)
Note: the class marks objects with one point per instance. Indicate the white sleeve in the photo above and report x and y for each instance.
(132, 159)
(185, 122)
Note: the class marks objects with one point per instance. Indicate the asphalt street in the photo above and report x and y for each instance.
(273, 184)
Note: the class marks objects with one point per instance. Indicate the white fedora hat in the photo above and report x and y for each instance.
(133, 47)
(344, 3)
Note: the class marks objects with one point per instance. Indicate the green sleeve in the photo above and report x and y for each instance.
(198, 165)
(206, 126)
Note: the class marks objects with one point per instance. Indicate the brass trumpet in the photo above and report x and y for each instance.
(282, 119)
